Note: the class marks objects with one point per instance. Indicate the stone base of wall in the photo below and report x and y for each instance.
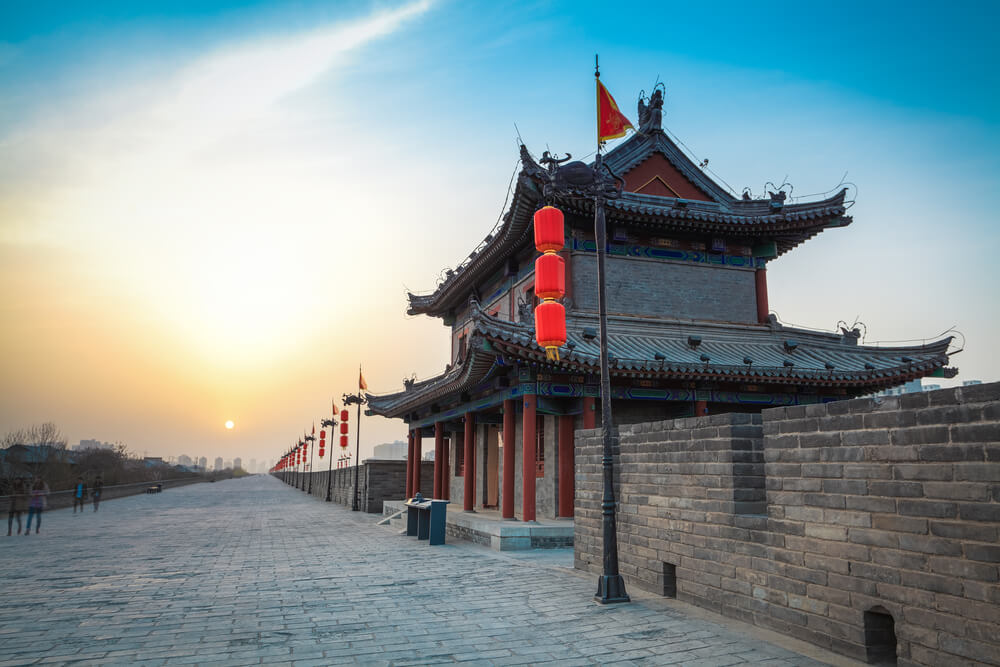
(488, 529)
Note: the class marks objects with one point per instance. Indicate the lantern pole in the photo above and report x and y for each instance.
(302, 467)
(576, 180)
(312, 453)
(610, 585)
(358, 398)
(329, 423)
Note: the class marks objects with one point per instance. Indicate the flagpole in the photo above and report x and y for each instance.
(611, 585)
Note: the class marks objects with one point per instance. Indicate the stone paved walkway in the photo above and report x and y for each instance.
(253, 572)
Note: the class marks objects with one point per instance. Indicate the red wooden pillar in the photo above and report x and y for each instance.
(470, 462)
(446, 468)
(507, 502)
(589, 414)
(438, 457)
(528, 444)
(760, 280)
(700, 408)
(409, 465)
(567, 467)
(418, 441)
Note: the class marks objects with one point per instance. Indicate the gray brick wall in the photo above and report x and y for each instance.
(677, 289)
(379, 481)
(890, 505)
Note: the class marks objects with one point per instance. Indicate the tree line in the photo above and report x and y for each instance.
(44, 454)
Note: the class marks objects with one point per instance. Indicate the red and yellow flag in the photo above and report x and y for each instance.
(361, 381)
(611, 123)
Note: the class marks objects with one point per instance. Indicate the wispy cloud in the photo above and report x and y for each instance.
(202, 169)
(123, 141)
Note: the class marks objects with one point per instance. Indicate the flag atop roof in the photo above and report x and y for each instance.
(611, 122)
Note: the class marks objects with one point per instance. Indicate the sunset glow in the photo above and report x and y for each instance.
(218, 211)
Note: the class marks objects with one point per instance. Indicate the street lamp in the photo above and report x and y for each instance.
(329, 423)
(310, 439)
(302, 465)
(360, 399)
(577, 180)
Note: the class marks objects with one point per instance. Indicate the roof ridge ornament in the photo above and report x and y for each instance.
(651, 109)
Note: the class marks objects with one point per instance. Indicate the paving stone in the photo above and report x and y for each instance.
(251, 571)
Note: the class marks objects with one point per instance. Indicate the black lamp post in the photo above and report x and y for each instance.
(302, 468)
(311, 439)
(349, 399)
(577, 180)
(329, 423)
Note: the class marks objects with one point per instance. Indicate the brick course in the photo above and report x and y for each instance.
(802, 519)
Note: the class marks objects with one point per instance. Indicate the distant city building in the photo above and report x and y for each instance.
(92, 444)
(184, 460)
(237, 463)
(395, 451)
(253, 466)
(911, 387)
(229, 464)
(218, 463)
(203, 463)
(429, 456)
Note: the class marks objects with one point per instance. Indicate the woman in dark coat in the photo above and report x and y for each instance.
(18, 503)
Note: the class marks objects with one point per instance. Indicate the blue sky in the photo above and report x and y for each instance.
(228, 195)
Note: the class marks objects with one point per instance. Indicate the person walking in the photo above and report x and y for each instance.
(79, 494)
(39, 490)
(98, 490)
(18, 503)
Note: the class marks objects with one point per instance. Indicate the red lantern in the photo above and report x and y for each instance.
(550, 276)
(322, 434)
(549, 230)
(550, 327)
(343, 428)
(321, 450)
(344, 414)
(550, 281)
(343, 441)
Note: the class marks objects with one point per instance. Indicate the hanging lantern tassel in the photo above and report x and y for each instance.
(550, 327)
(550, 281)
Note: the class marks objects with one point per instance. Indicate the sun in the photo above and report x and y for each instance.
(230, 425)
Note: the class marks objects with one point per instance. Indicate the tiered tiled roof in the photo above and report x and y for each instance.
(723, 215)
(681, 350)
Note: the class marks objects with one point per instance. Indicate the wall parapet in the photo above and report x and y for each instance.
(843, 524)
(379, 480)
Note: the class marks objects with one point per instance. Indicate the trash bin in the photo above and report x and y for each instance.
(425, 518)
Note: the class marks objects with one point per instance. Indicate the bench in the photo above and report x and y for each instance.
(425, 518)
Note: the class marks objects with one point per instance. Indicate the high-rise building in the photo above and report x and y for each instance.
(93, 444)
(184, 460)
(218, 463)
(395, 451)
(237, 463)
(253, 466)
(203, 463)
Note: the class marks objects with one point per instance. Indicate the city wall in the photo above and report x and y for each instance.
(60, 499)
(867, 526)
(378, 480)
